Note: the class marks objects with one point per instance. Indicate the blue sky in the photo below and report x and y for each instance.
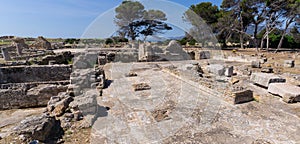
(58, 18)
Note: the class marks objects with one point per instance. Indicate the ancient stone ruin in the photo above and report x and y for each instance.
(20, 45)
(41, 43)
(147, 92)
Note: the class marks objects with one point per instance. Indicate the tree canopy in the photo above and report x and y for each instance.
(133, 20)
(245, 20)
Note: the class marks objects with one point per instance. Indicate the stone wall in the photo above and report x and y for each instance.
(23, 98)
(23, 74)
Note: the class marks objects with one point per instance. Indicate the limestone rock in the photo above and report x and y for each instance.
(35, 73)
(267, 70)
(45, 91)
(263, 60)
(174, 47)
(234, 81)
(141, 86)
(5, 54)
(34, 97)
(41, 43)
(228, 71)
(61, 106)
(42, 128)
(20, 45)
(243, 96)
(61, 58)
(264, 79)
(102, 59)
(217, 69)
(255, 64)
(131, 74)
(86, 103)
(288, 92)
(204, 55)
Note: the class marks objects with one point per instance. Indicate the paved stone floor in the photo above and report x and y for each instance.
(177, 110)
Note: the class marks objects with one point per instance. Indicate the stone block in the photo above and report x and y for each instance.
(243, 96)
(41, 128)
(264, 79)
(255, 64)
(5, 54)
(86, 103)
(228, 71)
(204, 55)
(289, 93)
(216, 69)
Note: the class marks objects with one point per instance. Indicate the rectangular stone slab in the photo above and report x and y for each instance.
(243, 96)
(216, 69)
(264, 79)
(289, 93)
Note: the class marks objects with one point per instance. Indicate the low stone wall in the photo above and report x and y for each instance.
(24, 74)
(35, 97)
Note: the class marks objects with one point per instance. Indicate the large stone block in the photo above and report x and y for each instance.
(86, 103)
(264, 79)
(216, 69)
(43, 128)
(289, 93)
(25, 74)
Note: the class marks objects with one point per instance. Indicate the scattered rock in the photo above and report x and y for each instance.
(131, 74)
(261, 141)
(141, 86)
(255, 64)
(263, 60)
(61, 106)
(267, 70)
(162, 113)
(289, 63)
(42, 128)
(234, 81)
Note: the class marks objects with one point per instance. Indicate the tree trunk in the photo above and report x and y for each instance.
(255, 36)
(268, 42)
(242, 41)
(241, 34)
(262, 43)
(280, 42)
(288, 22)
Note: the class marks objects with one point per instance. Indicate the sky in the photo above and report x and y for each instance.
(71, 18)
